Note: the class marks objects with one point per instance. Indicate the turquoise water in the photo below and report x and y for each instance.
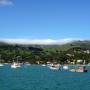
(36, 77)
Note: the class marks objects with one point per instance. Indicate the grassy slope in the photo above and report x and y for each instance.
(61, 47)
(65, 47)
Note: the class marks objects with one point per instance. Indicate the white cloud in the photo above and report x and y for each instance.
(37, 41)
(6, 2)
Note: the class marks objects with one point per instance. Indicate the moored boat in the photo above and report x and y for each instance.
(1, 64)
(15, 65)
(79, 69)
(54, 66)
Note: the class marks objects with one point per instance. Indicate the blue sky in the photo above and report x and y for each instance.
(44, 19)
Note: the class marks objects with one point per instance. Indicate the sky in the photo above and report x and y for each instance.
(45, 19)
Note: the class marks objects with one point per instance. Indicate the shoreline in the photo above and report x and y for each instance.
(53, 63)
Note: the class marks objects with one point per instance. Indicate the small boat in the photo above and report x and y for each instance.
(15, 65)
(79, 69)
(65, 67)
(54, 66)
(1, 64)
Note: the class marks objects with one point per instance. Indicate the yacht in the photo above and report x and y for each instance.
(79, 69)
(54, 66)
(15, 65)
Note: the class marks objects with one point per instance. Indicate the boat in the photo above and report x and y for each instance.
(65, 67)
(54, 66)
(79, 69)
(1, 62)
(15, 65)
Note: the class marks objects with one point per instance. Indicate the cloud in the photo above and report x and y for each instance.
(6, 2)
(37, 41)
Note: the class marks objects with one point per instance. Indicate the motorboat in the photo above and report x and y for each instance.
(15, 65)
(54, 66)
(79, 69)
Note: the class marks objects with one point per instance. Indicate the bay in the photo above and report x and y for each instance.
(36, 77)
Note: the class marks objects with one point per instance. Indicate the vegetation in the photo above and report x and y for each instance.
(69, 53)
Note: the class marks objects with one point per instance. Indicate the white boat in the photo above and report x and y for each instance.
(54, 66)
(1, 62)
(65, 67)
(15, 65)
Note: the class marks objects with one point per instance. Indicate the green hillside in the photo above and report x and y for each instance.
(44, 53)
(65, 47)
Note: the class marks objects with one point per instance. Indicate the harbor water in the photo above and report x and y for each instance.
(37, 77)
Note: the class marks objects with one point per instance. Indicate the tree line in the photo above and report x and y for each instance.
(33, 55)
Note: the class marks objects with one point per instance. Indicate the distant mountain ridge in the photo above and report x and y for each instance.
(78, 43)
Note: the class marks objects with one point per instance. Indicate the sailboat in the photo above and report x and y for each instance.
(0, 62)
(16, 64)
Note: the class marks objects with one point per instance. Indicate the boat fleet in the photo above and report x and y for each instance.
(77, 68)
(51, 66)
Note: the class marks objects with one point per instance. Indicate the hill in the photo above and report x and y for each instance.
(64, 47)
